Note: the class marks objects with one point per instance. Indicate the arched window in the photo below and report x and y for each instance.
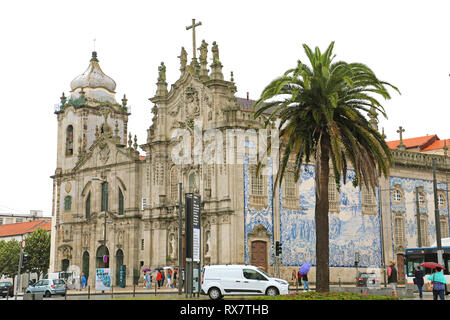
(397, 195)
(102, 251)
(399, 230)
(69, 140)
(104, 204)
(68, 203)
(88, 206)
(120, 202)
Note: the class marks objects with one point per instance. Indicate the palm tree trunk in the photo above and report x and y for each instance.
(321, 219)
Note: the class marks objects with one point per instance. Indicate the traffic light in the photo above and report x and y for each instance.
(25, 259)
(277, 248)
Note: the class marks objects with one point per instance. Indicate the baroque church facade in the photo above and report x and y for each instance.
(108, 200)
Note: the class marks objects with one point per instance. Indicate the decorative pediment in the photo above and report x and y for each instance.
(103, 152)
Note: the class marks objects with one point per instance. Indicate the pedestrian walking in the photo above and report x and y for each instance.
(439, 282)
(169, 278)
(305, 282)
(148, 280)
(392, 278)
(158, 278)
(83, 281)
(175, 278)
(418, 280)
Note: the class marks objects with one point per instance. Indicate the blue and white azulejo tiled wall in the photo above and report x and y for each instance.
(408, 206)
(350, 230)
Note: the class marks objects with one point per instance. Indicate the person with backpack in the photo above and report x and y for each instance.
(392, 278)
(439, 282)
(418, 280)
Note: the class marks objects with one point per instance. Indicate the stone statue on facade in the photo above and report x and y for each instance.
(183, 59)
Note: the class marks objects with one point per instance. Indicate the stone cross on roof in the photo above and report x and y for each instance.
(193, 35)
(401, 146)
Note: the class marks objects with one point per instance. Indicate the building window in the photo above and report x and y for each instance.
(258, 196)
(142, 244)
(422, 199)
(444, 227)
(174, 183)
(333, 196)
(399, 231)
(120, 202)
(104, 204)
(1, 220)
(368, 201)
(69, 140)
(88, 206)
(256, 181)
(424, 230)
(397, 195)
(290, 191)
(441, 200)
(19, 220)
(67, 203)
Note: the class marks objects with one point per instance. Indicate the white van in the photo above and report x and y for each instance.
(221, 280)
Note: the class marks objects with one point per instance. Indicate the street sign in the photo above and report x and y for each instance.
(23, 244)
(193, 227)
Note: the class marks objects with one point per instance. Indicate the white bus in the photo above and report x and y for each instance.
(417, 256)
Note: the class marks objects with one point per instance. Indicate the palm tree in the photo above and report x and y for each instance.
(321, 110)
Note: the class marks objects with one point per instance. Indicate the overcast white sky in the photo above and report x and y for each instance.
(45, 44)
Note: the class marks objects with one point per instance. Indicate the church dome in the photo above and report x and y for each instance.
(93, 77)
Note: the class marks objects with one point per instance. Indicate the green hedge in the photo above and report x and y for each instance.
(327, 296)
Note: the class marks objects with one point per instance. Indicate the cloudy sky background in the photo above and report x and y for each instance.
(45, 44)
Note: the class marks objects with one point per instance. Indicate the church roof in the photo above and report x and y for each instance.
(14, 229)
(417, 142)
(438, 144)
(247, 105)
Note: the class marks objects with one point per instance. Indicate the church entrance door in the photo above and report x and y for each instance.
(119, 262)
(259, 254)
(101, 252)
(85, 268)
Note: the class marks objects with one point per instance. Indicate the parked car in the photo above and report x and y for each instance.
(221, 280)
(6, 288)
(48, 287)
(368, 280)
